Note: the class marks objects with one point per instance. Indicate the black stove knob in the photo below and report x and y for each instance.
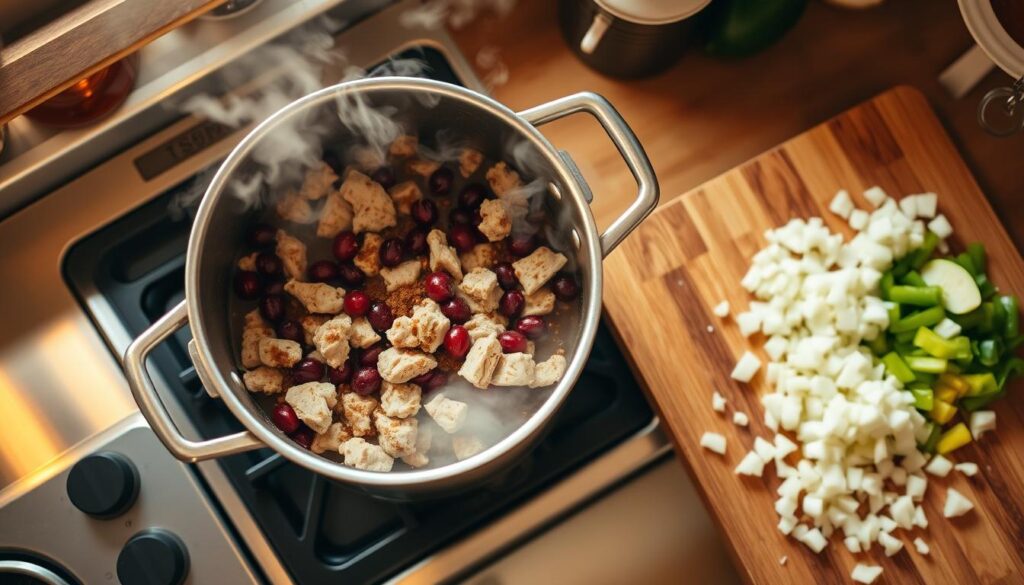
(103, 485)
(153, 557)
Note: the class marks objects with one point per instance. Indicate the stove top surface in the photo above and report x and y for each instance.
(324, 531)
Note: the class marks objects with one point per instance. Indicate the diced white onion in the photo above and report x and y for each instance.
(967, 468)
(865, 573)
(717, 402)
(713, 442)
(982, 421)
(956, 504)
(746, 367)
(721, 309)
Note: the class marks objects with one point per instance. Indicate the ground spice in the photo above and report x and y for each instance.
(447, 361)
(375, 289)
(403, 300)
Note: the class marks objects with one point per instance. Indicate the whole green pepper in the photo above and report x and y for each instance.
(736, 28)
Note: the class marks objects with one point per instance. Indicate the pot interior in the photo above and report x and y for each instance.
(274, 159)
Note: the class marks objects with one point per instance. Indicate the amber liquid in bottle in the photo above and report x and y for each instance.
(90, 98)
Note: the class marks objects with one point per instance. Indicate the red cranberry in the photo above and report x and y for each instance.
(532, 326)
(370, 354)
(439, 286)
(462, 237)
(268, 264)
(345, 246)
(261, 235)
(423, 379)
(506, 276)
(351, 276)
(511, 303)
(304, 437)
(307, 370)
(385, 176)
(565, 287)
(520, 245)
(380, 317)
(437, 379)
(416, 241)
(457, 310)
(391, 252)
(460, 217)
(512, 341)
(272, 308)
(472, 196)
(356, 303)
(424, 212)
(342, 375)
(457, 341)
(366, 380)
(284, 418)
(291, 330)
(440, 181)
(247, 284)
(323, 271)
(275, 287)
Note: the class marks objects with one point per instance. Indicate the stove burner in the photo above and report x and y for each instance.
(230, 9)
(326, 532)
(22, 568)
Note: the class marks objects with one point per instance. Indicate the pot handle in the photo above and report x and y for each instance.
(625, 141)
(595, 33)
(152, 407)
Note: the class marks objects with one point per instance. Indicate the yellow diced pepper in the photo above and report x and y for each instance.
(953, 439)
(942, 412)
(956, 382)
(946, 393)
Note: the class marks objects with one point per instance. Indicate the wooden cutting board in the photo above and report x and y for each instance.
(662, 283)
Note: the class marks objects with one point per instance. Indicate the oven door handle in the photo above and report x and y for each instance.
(152, 406)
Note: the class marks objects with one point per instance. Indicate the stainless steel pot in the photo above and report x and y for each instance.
(428, 106)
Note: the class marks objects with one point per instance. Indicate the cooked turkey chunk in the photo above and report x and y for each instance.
(318, 182)
(294, 208)
(317, 297)
(404, 195)
(292, 253)
(503, 179)
(514, 369)
(396, 435)
(496, 222)
(366, 456)
(449, 414)
(331, 340)
(466, 447)
(469, 161)
(331, 439)
(312, 403)
(335, 217)
(549, 371)
(279, 353)
(264, 379)
(404, 274)
(358, 410)
(536, 269)
(481, 361)
(401, 365)
(400, 400)
(442, 256)
(371, 205)
(362, 335)
(254, 330)
(541, 302)
(368, 257)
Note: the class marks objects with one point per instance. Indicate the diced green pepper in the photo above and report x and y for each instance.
(886, 284)
(879, 345)
(965, 260)
(979, 319)
(938, 346)
(977, 253)
(985, 287)
(913, 278)
(933, 439)
(921, 296)
(988, 351)
(922, 254)
(1010, 308)
(925, 318)
(931, 365)
(894, 312)
(895, 365)
(924, 399)
(980, 384)
(906, 337)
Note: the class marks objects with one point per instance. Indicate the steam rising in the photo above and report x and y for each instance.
(454, 13)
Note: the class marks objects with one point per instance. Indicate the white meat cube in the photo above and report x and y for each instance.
(404, 195)
(443, 256)
(254, 330)
(404, 274)
(371, 206)
(404, 145)
(366, 456)
(400, 400)
(481, 256)
(495, 222)
(319, 181)
(248, 263)
(294, 208)
(310, 323)
(424, 438)
(430, 325)
(469, 161)
(536, 269)
(279, 353)
(466, 447)
(514, 369)
(317, 297)
(503, 179)
(423, 167)
(549, 371)
(312, 403)
(449, 414)
(335, 217)
(480, 326)
(358, 410)
(331, 439)
(403, 333)
(264, 380)
(331, 340)
(361, 335)
(481, 361)
(397, 436)
(292, 253)
(368, 257)
(481, 286)
(401, 365)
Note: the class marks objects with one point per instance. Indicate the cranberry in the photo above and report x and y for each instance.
(274, 288)
(423, 379)
(322, 271)
(457, 310)
(380, 317)
(439, 286)
(366, 380)
(520, 245)
(437, 379)
(511, 303)
(291, 330)
(261, 235)
(472, 196)
(457, 341)
(532, 326)
(460, 217)
(370, 355)
(356, 303)
(512, 341)
(385, 176)
(391, 252)
(565, 287)
(304, 437)
(424, 212)
(462, 237)
(307, 370)
(284, 418)
(351, 275)
(345, 246)
(440, 181)
(272, 308)
(342, 375)
(247, 284)
(506, 276)
(416, 241)
(268, 264)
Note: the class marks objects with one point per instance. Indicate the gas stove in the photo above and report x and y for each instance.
(113, 261)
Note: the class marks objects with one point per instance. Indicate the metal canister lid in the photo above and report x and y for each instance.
(652, 12)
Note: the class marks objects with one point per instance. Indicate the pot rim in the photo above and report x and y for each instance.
(590, 252)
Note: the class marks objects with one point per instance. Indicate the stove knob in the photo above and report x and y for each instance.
(103, 485)
(153, 557)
